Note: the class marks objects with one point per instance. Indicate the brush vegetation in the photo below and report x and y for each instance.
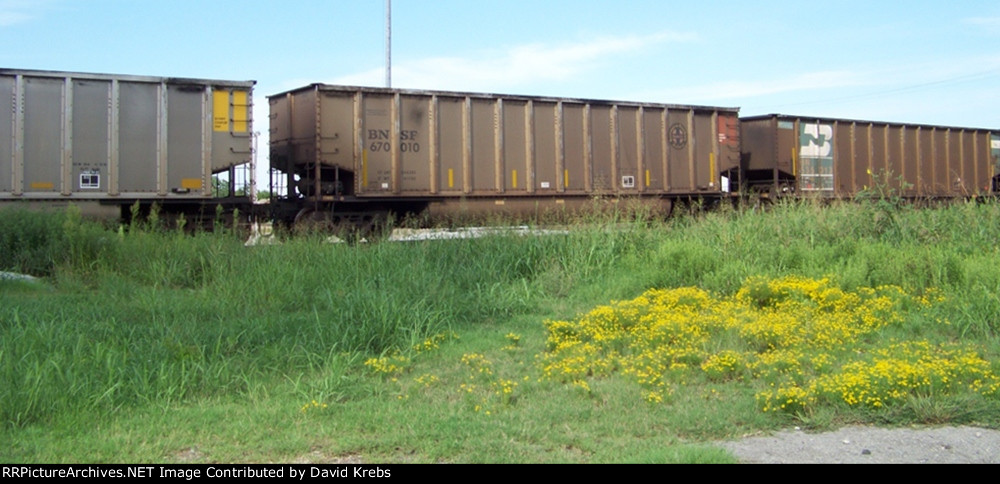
(140, 344)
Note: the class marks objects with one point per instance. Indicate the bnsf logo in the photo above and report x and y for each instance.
(816, 141)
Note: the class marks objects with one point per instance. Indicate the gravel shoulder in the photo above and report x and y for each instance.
(872, 445)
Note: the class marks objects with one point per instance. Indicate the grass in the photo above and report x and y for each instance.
(142, 344)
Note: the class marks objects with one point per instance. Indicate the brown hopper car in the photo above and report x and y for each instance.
(349, 154)
(839, 157)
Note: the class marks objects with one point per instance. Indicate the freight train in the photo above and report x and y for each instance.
(350, 157)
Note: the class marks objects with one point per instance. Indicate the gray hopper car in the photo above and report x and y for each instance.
(104, 141)
(784, 155)
(347, 155)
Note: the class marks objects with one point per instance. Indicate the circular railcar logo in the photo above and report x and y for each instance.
(678, 136)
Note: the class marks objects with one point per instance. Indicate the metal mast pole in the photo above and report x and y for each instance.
(388, 43)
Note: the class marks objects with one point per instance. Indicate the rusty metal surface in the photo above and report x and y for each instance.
(381, 142)
(842, 157)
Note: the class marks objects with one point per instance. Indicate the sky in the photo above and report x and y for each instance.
(914, 61)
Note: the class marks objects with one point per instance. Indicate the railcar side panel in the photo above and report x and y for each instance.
(42, 127)
(139, 149)
(680, 174)
(391, 150)
(653, 150)
(628, 151)
(116, 139)
(546, 136)
(602, 157)
(925, 166)
(515, 148)
(7, 146)
(91, 128)
(410, 144)
(453, 148)
(840, 158)
(577, 151)
(704, 155)
(484, 147)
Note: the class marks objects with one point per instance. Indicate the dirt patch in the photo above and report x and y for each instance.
(872, 445)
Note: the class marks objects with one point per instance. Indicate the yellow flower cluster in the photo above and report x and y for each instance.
(434, 342)
(892, 375)
(427, 380)
(514, 341)
(783, 331)
(482, 387)
(388, 365)
(313, 405)
(724, 365)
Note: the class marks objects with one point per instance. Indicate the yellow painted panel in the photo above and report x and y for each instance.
(240, 107)
(191, 183)
(711, 169)
(566, 178)
(451, 178)
(513, 178)
(42, 186)
(220, 110)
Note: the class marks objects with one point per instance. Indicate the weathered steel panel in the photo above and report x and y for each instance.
(704, 162)
(412, 142)
(91, 135)
(576, 151)
(139, 148)
(911, 160)
(629, 178)
(681, 172)
(515, 145)
(42, 132)
(185, 169)
(116, 137)
(418, 144)
(546, 142)
(604, 156)
(653, 150)
(7, 115)
(483, 146)
(845, 173)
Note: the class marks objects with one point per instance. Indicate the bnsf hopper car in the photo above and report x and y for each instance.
(105, 141)
(840, 158)
(349, 155)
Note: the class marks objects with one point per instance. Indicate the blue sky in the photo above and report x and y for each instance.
(916, 61)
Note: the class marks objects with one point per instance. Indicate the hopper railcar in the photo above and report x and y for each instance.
(105, 142)
(349, 156)
(788, 155)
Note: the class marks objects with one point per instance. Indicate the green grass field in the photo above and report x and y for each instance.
(624, 340)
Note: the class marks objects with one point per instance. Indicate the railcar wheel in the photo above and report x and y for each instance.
(311, 220)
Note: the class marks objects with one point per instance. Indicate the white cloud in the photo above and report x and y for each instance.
(749, 89)
(11, 18)
(871, 84)
(987, 21)
(14, 12)
(518, 65)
